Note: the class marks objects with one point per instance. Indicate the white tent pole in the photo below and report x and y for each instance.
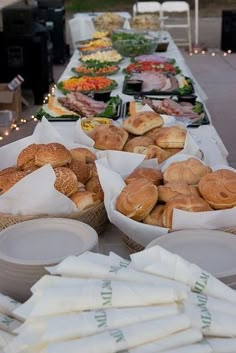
(196, 22)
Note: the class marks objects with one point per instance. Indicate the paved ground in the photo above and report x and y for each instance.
(216, 75)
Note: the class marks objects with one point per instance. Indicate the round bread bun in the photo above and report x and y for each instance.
(9, 180)
(137, 199)
(183, 202)
(171, 137)
(189, 171)
(83, 154)
(84, 199)
(26, 158)
(9, 170)
(219, 189)
(154, 218)
(94, 186)
(170, 190)
(153, 133)
(151, 174)
(138, 141)
(66, 181)
(141, 122)
(81, 170)
(153, 151)
(53, 153)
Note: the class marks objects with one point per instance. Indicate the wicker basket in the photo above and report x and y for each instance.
(96, 217)
(134, 247)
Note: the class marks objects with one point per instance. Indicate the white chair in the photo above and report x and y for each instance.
(168, 7)
(146, 7)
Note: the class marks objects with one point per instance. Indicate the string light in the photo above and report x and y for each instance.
(6, 133)
(17, 128)
(1, 138)
(211, 53)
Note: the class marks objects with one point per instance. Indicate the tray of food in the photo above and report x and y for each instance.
(96, 69)
(108, 55)
(86, 84)
(94, 44)
(76, 105)
(152, 66)
(157, 83)
(193, 114)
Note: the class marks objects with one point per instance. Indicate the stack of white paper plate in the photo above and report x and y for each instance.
(27, 247)
(213, 250)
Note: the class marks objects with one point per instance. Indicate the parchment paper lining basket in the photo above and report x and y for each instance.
(95, 216)
(134, 247)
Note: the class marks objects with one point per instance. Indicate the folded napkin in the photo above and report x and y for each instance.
(194, 348)
(5, 338)
(176, 340)
(8, 324)
(222, 345)
(157, 260)
(76, 325)
(96, 294)
(8, 305)
(212, 303)
(87, 265)
(122, 339)
(211, 322)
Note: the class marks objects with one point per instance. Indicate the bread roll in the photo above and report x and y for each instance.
(189, 171)
(81, 170)
(66, 181)
(84, 199)
(151, 174)
(171, 137)
(53, 153)
(109, 137)
(154, 218)
(83, 154)
(9, 180)
(142, 122)
(186, 203)
(219, 189)
(137, 142)
(94, 186)
(9, 170)
(153, 133)
(137, 199)
(153, 151)
(26, 158)
(170, 190)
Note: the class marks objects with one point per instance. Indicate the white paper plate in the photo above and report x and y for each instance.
(214, 251)
(45, 241)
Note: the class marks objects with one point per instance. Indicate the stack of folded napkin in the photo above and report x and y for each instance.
(157, 302)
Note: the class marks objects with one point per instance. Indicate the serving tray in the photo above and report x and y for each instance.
(202, 121)
(131, 92)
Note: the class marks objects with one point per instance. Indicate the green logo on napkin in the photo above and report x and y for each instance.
(118, 335)
(201, 284)
(206, 317)
(202, 299)
(122, 264)
(101, 318)
(106, 293)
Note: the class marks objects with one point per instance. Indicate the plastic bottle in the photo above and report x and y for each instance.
(16, 82)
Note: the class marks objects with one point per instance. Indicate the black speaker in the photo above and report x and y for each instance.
(228, 33)
(50, 3)
(55, 16)
(19, 19)
(28, 55)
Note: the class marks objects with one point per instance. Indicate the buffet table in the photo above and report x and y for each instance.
(206, 136)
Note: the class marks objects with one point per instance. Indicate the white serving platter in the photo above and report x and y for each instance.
(44, 241)
(213, 250)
